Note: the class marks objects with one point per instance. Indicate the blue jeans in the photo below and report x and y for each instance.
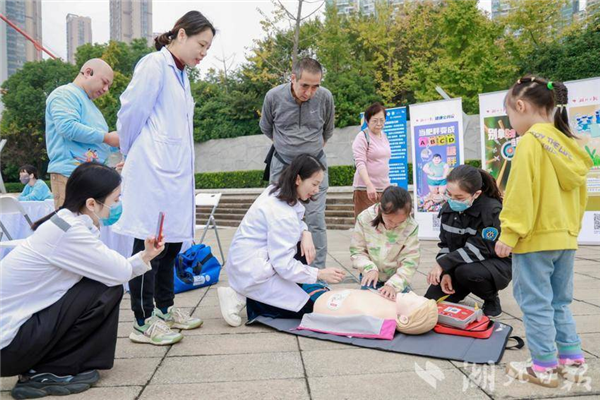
(543, 287)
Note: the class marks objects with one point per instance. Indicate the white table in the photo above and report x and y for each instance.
(17, 225)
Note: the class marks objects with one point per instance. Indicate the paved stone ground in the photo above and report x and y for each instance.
(220, 362)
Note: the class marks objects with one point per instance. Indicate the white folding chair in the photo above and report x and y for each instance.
(209, 200)
(10, 205)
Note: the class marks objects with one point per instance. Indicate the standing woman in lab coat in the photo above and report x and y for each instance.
(155, 125)
(270, 252)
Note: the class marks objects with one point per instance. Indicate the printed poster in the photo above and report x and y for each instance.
(437, 132)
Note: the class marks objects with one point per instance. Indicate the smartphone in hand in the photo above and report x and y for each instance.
(159, 229)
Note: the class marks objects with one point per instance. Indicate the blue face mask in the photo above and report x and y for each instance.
(460, 206)
(115, 213)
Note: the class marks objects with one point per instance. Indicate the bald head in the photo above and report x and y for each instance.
(95, 77)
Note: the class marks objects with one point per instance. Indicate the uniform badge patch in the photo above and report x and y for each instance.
(490, 234)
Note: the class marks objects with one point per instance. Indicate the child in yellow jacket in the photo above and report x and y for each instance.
(544, 203)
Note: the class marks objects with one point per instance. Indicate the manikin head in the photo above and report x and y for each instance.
(416, 314)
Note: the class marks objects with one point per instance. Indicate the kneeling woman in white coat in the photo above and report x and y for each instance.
(265, 265)
(61, 288)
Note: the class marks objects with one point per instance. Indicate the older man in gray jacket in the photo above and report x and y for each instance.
(299, 118)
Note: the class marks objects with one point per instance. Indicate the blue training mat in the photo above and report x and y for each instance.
(430, 344)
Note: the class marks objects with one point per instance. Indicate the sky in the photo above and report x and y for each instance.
(237, 23)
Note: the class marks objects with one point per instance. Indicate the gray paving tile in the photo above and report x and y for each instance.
(129, 372)
(225, 368)
(402, 385)
(504, 387)
(128, 349)
(219, 326)
(354, 360)
(288, 389)
(234, 344)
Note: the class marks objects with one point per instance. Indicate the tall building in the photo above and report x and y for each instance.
(365, 7)
(3, 48)
(501, 8)
(130, 19)
(592, 7)
(79, 32)
(17, 50)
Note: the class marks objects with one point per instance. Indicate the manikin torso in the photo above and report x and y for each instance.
(366, 302)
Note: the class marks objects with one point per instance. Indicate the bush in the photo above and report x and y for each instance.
(13, 187)
(339, 175)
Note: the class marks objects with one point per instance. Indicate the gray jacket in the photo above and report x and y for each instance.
(297, 128)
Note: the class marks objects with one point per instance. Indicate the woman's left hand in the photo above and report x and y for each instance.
(307, 247)
(502, 250)
(388, 292)
(434, 275)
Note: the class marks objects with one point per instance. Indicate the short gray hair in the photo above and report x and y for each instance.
(307, 64)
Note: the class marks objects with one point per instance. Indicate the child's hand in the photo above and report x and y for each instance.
(502, 250)
(370, 278)
(434, 275)
(388, 292)
(446, 284)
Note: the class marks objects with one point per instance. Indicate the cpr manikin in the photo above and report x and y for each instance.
(413, 314)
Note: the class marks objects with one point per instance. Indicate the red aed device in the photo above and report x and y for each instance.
(159, 229)
(457, 315)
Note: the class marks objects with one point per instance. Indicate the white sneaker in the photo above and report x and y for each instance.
(231, 305)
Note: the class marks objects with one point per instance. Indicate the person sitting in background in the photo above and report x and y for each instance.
(35, 189)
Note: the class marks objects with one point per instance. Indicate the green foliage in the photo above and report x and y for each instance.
(23, 119)
(576, 56)
(14, 187)
(234, 179)
(339, 175)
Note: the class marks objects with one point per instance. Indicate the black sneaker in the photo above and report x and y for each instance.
(492, 308)
(33, 386)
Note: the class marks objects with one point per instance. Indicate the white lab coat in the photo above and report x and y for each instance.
(38, 272)
(155, 125)
(261, 264)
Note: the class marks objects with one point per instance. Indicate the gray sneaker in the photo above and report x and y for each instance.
(35, 385)
(155, 331)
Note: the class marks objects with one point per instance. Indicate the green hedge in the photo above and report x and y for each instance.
(14, 187)
(340, 175)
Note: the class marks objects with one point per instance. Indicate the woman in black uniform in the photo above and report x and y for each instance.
(470, 225)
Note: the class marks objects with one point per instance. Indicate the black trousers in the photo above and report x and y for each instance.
(78, 333)
(156, 284)
(255, 308)
(466, 279)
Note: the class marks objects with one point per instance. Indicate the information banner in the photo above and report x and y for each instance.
(437, 132)
(499, 141)
(395, 130)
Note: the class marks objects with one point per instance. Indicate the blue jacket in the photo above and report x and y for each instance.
(75, 130)
(38, 192)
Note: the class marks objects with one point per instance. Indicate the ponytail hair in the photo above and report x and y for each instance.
(549, 96)
(88, 180)
(393, 199)
(193, 22)
(471, 179)
(303, 166)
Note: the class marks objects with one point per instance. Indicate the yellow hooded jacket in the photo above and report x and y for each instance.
(546, 194)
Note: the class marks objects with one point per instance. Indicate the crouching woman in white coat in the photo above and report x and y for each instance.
(61, 288)
(265, 263)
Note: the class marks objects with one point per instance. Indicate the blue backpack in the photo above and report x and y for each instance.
(195, 268)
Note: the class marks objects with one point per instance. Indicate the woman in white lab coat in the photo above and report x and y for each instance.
(155, 125)
(263, 264)
(61, 288)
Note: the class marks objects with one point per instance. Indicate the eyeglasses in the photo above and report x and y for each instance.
(378, 121)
